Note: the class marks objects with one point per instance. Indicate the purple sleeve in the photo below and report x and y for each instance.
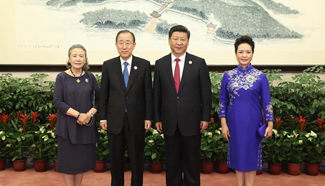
(58, 96)
(266, 99)
(223, 100)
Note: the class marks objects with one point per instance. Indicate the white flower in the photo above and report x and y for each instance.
(8, 145)
(218, 131)
(154, 131)
(45, 138)
(162, 135)
(150, 141)
(300, 141)
(23, 138)
(42, 129)
(295, 134)
(312, 133)
(1, 132)
(290, 136)
(307, 135)
(310, 139)
(285, 133)
(3, 138)
(209, 134)
(275, 131)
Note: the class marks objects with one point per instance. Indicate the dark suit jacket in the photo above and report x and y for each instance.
(136, 98)
(191, 105)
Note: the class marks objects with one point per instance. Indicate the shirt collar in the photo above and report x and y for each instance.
(182, 57)
(241, 69)
(129, 60)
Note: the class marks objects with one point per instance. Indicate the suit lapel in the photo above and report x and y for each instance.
(169, 72)
(119, 73)
(186, 71)
(133, 72)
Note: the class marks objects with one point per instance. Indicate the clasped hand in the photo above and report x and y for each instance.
(83, 119)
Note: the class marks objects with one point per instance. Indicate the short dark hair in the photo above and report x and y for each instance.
(125, 31)
(179, 28)
(244, 39)
(85, 67)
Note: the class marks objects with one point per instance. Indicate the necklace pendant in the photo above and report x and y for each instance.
(78, 80)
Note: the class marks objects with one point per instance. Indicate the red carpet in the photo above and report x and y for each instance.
(29, 177)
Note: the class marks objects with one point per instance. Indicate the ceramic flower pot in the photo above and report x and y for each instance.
(2, 164)
(207, 167)
(275, 168)
(312, 168)
(156, 167)
(19, 165)
(259, 172)
(294, 168)
(100, 166)
(40, 165)
(222, 167)
(54, 165)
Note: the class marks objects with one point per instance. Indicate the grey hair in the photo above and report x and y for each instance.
(85, 67)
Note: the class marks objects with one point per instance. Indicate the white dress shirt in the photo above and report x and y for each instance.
(129, 66)
(180, 63)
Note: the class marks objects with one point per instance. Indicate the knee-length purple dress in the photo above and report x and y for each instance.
(244, 100)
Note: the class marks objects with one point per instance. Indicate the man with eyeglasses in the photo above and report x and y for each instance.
(182, 105)
(125, 108)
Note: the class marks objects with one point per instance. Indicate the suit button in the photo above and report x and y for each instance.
(177, 97)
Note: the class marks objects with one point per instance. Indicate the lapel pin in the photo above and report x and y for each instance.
(135, 67)
(190, 62)
(86, 80)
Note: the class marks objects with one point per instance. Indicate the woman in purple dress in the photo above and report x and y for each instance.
(74, 93)
(244, 101)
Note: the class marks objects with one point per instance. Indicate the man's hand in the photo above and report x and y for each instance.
(147, 124)
(203, 125)
(103, 125)
(159, 126)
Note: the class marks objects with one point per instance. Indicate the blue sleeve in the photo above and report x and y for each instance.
(266, 99)
(58, 96)
(224, 97)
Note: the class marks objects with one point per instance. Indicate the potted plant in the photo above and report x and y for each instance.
(19, 141)
(102, 151)
(42, 143)
(314, 153)
(294, 145)
(221, 152)
(3, 143)
(274, 151)
(3, 149)
(53, 151)
(154, 150)
(208, 151)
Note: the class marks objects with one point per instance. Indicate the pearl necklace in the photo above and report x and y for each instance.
(78, 80)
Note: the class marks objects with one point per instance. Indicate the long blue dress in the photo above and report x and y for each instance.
(244, 100)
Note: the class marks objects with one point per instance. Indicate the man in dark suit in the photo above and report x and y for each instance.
(182, 105)
(126, 108)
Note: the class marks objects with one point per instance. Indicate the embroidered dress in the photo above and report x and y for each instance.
(244, 100)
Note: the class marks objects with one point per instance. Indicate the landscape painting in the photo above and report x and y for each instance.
(282, 29)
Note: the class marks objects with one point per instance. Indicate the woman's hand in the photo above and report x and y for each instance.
(83, 119)
(269, 129)
(225, 129)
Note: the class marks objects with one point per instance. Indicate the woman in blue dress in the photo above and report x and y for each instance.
(244, 101)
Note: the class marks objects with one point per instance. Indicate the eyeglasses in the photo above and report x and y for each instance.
(127, 44)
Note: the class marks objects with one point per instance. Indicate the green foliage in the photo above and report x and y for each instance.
(154, 149)
(112, 18)
(274, 148)
(102, 149)
(26, 94)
